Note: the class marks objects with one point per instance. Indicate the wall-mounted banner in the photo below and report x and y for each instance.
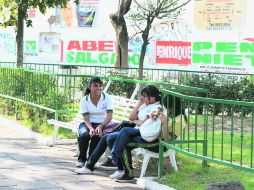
(81, 15)
(219, 14)
(49, 42)
(92, 53)
(86, 12)
(173, 52)
(222, 57)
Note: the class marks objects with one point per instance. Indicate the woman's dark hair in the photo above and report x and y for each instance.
(152, 91)
(94, 79)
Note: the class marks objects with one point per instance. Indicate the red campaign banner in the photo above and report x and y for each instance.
(173, 52)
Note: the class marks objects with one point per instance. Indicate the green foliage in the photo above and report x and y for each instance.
(35, 88)
(119, 88)
(223, 87)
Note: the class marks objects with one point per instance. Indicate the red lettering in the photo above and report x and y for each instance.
(89, 45)
(74, 45)
(106, 46)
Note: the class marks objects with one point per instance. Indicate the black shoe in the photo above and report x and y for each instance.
(125, 178)
(108, 163)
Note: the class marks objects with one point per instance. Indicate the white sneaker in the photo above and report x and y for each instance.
(83, 170)
(79, 164)
(117, 174)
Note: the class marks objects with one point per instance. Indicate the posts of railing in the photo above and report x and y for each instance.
(204, 162)
(161, 161)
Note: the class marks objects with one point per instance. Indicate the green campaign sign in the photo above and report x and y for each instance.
(223, 53)
(226, 57)
(94, 52)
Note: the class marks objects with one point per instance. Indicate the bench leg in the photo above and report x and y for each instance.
(144, 165)
(56, 128)
(172, 157)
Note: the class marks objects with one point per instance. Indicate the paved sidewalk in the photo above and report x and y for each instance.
(27, 164)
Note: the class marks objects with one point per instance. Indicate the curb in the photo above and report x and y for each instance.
(150, 184)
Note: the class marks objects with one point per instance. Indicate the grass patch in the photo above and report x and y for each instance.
(192, 176)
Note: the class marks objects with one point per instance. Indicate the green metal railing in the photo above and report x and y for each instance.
(151, 74)
(216, 130)
(61, 93)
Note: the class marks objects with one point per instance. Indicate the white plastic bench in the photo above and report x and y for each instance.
(122, 107)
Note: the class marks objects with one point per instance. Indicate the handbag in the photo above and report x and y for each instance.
(124, 124)
(150, 129)
(109, 127)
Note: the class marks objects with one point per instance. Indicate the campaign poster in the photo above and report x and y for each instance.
(86, 12)
(218, 15)
(49, 42)
(81, 15)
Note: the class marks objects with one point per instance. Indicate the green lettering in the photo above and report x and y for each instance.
(197, 46)
(235, 60)
(251, 57)
(247, 47)
(103, 58)
(113, 59)
(216, 59)
(89, 58)
(201, 58)
(70, 57)
(226, 47)
(133, 59)
(80, 57)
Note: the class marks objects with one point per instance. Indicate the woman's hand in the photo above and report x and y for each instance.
(134, 112)
(163, 119)
(140, 101)
(91, 132)
(164, 126)
(98, 130)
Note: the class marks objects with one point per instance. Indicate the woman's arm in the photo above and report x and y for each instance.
(88, 124)
(107, 120)
(164, 126)
(134, 113)
(138, 122)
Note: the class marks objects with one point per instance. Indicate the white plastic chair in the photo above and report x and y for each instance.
(149, 154)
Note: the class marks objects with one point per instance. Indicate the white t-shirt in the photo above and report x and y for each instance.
(146, 109)
(97, 114)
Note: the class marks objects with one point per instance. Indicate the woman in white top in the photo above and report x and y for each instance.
(96, 108)
(149, 101)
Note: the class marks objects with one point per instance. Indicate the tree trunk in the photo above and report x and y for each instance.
(141, 61)
(145, 36)
(19, 37)
(122, 38)
(119, 24)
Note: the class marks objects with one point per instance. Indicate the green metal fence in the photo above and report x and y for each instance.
(151, 74)
(61, 93)
(216, 130)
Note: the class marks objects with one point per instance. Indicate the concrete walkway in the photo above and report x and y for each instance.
(27, 164)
